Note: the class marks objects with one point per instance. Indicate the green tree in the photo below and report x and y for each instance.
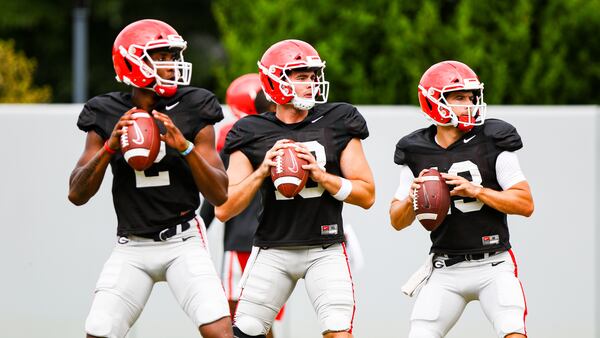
(42, 29)
(525, 51)
(16, 77)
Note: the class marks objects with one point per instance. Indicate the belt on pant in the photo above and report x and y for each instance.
(455, 259)
(166, 233)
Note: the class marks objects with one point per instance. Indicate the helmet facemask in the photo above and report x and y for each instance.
(476, 111)
(140, 56)
(281, 77)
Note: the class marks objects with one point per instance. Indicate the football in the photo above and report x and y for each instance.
(140, 142)
(432, 200)
(288, 176)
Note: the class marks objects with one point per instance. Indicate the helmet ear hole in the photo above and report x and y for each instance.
(271, 84)
(128, 64)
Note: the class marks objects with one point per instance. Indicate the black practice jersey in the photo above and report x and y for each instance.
(240, 229)
(471, 226)
(165, 194)
(313, 216)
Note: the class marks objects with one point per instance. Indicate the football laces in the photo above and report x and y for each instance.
(278, 164)
(414, 196)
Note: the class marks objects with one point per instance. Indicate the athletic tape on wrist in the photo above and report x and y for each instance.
(344, 191)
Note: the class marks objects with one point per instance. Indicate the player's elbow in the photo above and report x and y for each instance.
(528, 210)
(220, 199)
(77, 199)
(368, 199)
(369, 202)
(398, 223)
(399, 215)
(221, 214)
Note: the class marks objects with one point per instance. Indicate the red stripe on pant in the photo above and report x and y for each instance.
(512, 256)
(352, 281)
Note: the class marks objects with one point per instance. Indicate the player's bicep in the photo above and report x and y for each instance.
(353, 162)
(239, 168)
(522, 188)
(204, 145)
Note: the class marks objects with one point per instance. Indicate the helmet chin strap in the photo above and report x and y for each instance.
(462, 126)
(164, 90)
(303, 104)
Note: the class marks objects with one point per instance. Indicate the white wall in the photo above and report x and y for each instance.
(51, 252)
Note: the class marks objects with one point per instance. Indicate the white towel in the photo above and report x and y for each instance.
(418, 278)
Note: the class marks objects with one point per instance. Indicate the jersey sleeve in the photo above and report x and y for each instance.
(400, 153)
(356, 124)
(505, 136)
(408, 144)
(91, 118)
(208, 108)
(237, 137)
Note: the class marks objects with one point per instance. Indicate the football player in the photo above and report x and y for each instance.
(300, 237)
(159, 237)
(471, 255)
(244, 97)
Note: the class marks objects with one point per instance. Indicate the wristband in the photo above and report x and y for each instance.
(188, 149)
(344, 191)
(108, 148)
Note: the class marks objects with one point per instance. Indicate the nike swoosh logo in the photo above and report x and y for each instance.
(186, 238)
(172, 106)
(294, 167)
(317, 119)
(496, 263)
(469, 139)
(139, 137)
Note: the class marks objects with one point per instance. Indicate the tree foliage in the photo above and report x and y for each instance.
(16, 77)
(525, 51)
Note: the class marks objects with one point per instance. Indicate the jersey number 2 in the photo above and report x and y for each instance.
(142, 180)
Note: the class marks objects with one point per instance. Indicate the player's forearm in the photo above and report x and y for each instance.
(511, 201)
(362, 194)
(239, 197)
(402, 213)
(211, 182)
(85, 180)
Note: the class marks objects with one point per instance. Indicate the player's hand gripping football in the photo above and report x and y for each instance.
(265, 167)
(173, 137)
(115, 136)
(462, 186)
(416, 184)
(316, 172)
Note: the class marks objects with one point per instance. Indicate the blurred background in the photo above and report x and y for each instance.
(526, 51)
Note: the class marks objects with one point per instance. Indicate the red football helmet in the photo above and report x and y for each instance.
(133, 63)
(445, 77)
(241, 94)
(274, 67)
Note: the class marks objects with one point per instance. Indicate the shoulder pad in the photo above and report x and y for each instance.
(505, 135)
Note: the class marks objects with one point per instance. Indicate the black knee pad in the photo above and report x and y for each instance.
(237, 333)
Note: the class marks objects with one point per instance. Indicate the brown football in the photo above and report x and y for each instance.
(432, 200)
(288, 175)
(140, 142)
